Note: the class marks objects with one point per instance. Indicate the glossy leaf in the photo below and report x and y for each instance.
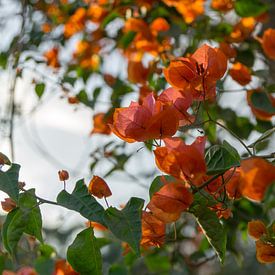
(221, 158)
(211, 226)
(125, 224)
(9, 181)
(82, 202)
(84, 255)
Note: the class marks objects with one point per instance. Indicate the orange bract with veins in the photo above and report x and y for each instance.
(99, 188)
(198, 73)
(170, 201)
(153, 230)
(185, 162)
(151, 120)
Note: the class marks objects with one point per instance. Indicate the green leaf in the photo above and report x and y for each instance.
(261, 101)
(158, 264)
(44, 266)
(9, 181)
(126, 39)
(246, 57)
(5, 227)
(220, 158)
(264, 136)
(212, 228)
(3, 60)
(39, 89)
(30, 209)
(253, 8)
(24, 219)
(15, 230)
(117, 269)
(82, 202)
(84, 255)
(125, 224)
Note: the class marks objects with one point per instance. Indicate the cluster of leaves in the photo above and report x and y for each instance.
(207, 184)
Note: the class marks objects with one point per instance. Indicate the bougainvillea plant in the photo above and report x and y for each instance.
(182, 57)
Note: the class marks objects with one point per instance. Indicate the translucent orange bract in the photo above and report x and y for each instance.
(99, 188)
(198, 73)
(185, 162)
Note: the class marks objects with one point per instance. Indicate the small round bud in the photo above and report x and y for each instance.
(63, 175)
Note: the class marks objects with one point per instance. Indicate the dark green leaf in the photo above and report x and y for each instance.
(39, 89)
(125, 224)
(261, 101)
(249, 8)
(117, 269)
(44, 265)
(30, 209)
(84, 255)
(220, 158)
(126, 39)
(212, 228)
(82, 202)
(246, 57)
(9, 181)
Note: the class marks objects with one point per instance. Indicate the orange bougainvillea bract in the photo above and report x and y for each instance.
(153, 230)
(256, 174)
(101, 124)
(99, 188)
(256, 229)
(198, 73)
(151, 120)
(240, 73)
(268, 43)
(182, 161)
(170, 201)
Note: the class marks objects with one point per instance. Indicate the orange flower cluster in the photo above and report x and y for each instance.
(265, 246)
(145, 40)
(198, 73)
(190, 10)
